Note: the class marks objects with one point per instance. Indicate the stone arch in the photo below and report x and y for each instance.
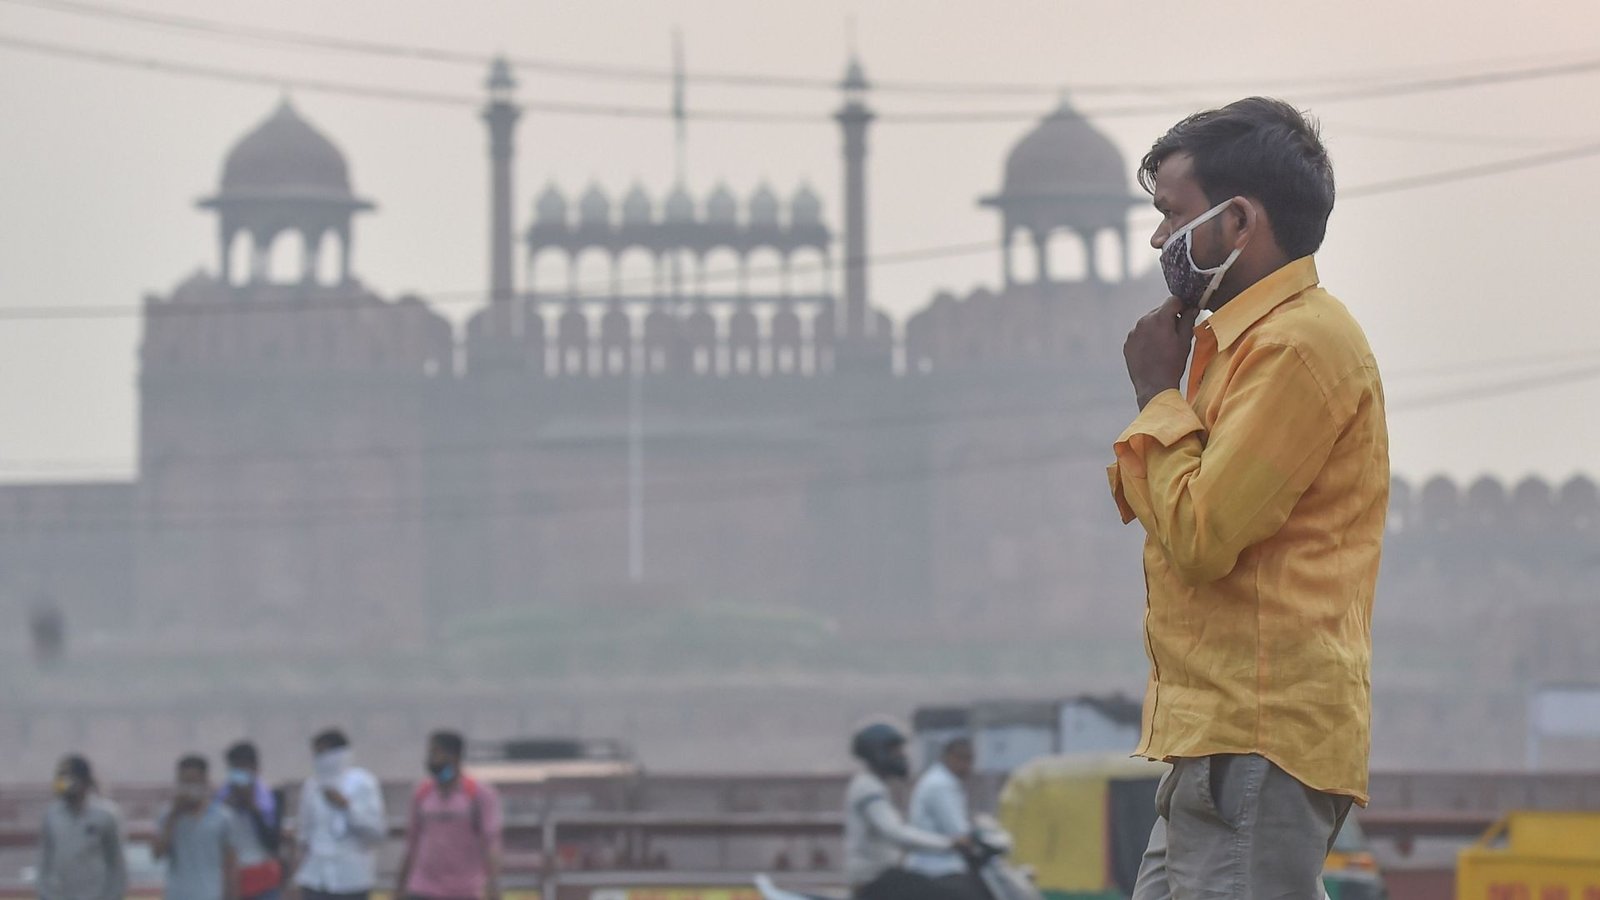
(810, 272)
(767, 271)
(241, 254)
(787, 341)
(1110, 254)
(327, 263)
(572, 341)
(550, 270)
(594, 271)
(1068, 256)
(616, 340)
(285, 257)
(722, 272)
(700, 336)
(744, 342)
(662, 352)
(638, 273)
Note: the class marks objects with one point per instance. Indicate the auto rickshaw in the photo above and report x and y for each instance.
(1081, 823)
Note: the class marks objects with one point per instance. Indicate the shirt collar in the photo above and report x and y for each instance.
(1239, 314)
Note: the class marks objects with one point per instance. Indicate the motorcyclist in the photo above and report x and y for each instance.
(876, 838)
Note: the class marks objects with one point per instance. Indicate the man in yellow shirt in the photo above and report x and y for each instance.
(1261, 482)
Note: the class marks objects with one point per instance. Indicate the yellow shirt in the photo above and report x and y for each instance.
(1263, 500)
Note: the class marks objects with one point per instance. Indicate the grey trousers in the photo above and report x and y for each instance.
(1237, 828)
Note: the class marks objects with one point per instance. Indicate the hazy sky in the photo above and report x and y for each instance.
(100, 167)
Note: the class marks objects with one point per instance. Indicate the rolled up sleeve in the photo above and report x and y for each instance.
(1205, 497)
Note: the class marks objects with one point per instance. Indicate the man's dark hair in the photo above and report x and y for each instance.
(243, 755)
(329, 739)
(957, 745)
(1261, 148)
(450, 742)
(193, 763)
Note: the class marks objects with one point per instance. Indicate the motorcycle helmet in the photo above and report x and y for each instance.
(881, 747)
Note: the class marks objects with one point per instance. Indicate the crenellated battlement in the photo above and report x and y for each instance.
(1532, 506)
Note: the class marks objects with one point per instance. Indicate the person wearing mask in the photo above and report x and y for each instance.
(192, 838)
(876, 838)
(1261, 481)
(340, 824)
(80, 841)
(255, 825)
(939, 806)
(453, 834)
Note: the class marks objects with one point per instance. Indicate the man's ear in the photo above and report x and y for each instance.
(1247, 220)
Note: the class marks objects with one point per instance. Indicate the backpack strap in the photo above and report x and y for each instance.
(475, 797)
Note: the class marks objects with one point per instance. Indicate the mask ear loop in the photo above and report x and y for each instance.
(1219, 271)
(1216, 279)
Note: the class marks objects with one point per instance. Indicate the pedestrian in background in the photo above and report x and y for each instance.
(340, 824)
(255, 814)
(80, 841)
(453, 834)
(192, 836)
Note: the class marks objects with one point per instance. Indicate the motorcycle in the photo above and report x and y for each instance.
(992, 871)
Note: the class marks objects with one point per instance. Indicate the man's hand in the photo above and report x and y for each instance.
(335, 799)
(1157, 349)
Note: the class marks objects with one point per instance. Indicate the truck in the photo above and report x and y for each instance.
(1543, 855)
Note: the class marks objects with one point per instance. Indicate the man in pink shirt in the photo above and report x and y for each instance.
(453, 835)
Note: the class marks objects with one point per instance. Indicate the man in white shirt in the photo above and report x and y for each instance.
(939, 805)
(340, 824)
(876, 839)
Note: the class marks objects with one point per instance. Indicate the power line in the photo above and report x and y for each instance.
(1448, 176)
(632, 73)
(1484, 392)
(378, 92)
(252, 77)
(1484, 365)
(1454, 138)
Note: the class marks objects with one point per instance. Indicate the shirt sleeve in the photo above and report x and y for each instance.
(116, 860)
(305, 814)
(1206, 498)
(365, 815)
(883, 818)
(493, 822)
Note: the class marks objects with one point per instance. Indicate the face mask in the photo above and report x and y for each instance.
(62, 786)
(240, 778)
(1188, 282)
(444, 773)
(192, 793)
(330, 764)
